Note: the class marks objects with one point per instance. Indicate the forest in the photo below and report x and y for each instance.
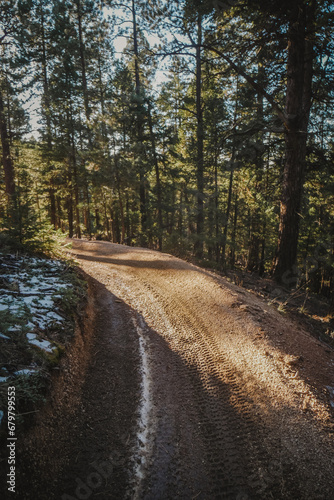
(202, 128)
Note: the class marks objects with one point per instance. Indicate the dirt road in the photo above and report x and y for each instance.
(198, 389)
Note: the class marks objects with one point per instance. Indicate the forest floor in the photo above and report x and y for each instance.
(195, 388)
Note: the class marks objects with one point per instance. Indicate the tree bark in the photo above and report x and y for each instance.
(120, 201)
(140, 132)
(230, 188)
(253, 262)
(298, 104)
(157, 178)
(200, 145)
(47, 113)
(82, 60)
(227, 212)
(70, 205)
(234, 232)
(76, 196)
(6, 155)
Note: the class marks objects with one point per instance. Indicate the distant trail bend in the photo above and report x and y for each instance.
(224, 411)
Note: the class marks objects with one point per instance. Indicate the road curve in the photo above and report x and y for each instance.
(220, 413)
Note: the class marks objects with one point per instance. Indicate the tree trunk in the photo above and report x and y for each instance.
(76, 197)
(140, 132)
(87, 216)
(217, 237)
(47, 113)
(253, 262)
(83, 61)
(59, 220)
(191, 226)
(6, 156)
(74, 169)
(120, 201)
(70, 205)
(102, 103)
(157, 178)
(227, 213)
(200, 140)
(263, 249)
(121, 209)
(53, 216)
(211, 212)
(234, 232)
(230, 188)
(97, 219)
(298, 104)
(128, 221)
(180, 218)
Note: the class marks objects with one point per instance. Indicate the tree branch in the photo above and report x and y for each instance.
(280, 112)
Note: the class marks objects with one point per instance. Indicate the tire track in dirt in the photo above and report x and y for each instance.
(221, 412)
(224, 455)
(213, 383)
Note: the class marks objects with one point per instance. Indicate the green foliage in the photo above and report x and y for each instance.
(24, 362)
(117, 157)
(30, 393)
(19, 318)
(73, 295)
(22, 230)
(30, 390)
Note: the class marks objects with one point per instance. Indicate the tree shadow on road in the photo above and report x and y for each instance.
(205, 437)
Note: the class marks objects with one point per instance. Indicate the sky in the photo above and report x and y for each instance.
(32, 104)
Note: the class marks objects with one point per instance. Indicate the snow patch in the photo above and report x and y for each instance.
(25, 371)
(54, 316)
(144, 433)
(14, 329)
(34, 283)
(30, 300)
(42, 344)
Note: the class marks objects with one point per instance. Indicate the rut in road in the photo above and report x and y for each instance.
(218, 416)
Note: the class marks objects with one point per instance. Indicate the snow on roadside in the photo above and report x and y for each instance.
(145, 432)
(30, 293)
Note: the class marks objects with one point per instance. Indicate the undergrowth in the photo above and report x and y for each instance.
(25, 365)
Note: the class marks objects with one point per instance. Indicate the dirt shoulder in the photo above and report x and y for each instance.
(310, 310)
(99, 460)
(78, 444)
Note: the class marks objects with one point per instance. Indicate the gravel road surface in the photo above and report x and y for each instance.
(211, 393)
(196, 389)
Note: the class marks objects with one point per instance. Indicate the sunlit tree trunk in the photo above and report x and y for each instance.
(120, 199)
(157, 178)
(227, 212)
(231, 180)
